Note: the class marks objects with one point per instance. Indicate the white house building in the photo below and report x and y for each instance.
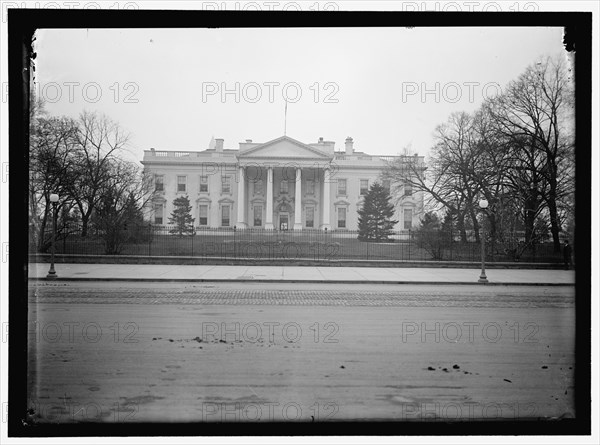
(283, 184)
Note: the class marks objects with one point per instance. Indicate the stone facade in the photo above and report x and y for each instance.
(283, 184)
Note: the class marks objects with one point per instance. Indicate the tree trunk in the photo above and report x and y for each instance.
(475, 224)
(493, 224)
(528, 222)
(85, 218)
(42, 243)
(555, 224)
(532, 205)
(41, 237)
(460, 225)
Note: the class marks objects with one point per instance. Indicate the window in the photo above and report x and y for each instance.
(257, 216)
(159, 184)
(408, 191)
(310, 187)
(158, 213)
(258, 187)
(203, 183)
(283, 187)
(407, 219)
(364, 186)
(203, 215)
(310, 217)
(225, 184)
(341, 187)
(225, 211)
(386, 184)
(181, 182)
(342, 217)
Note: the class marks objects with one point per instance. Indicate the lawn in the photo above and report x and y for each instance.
(317, 245)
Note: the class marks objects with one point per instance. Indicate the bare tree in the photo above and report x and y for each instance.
(489, 170)
(535, 116)
(516, 151)
(101, 143)
(82, 162)
(52, 144)
(118, 214)
(449, 181)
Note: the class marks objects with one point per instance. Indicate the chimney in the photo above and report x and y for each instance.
(349, 146)
(320, 140)
(219, 145)
(248, 141)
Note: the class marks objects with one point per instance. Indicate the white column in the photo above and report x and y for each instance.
(241, 210)
(326, 196)
(298, 209)
(269, 219)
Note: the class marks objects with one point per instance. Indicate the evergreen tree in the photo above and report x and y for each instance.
(181, 216)
(117, 217)
(375, 216)
(447, 225)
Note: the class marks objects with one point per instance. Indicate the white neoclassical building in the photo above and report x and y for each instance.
(283, 184)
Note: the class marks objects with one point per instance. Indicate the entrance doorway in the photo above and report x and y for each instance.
(284, 221)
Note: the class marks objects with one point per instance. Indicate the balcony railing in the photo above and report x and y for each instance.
(187, 154)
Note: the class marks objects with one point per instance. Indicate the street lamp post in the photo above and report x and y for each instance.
(52, 273)
(483, 204)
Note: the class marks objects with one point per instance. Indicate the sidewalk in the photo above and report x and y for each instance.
(293, 274)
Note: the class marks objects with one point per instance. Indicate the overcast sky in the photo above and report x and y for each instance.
(165, 86)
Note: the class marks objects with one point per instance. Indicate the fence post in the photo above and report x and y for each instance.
(400, 245)
(149, 239)
(319, 248)
(326, 243)
(451, 243)
(193, 236)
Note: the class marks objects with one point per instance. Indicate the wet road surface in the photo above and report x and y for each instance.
(127, 352)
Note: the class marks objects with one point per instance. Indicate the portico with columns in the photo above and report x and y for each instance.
(291, 179)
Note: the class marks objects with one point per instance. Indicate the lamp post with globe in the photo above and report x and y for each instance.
(52, 273)
(483, 204)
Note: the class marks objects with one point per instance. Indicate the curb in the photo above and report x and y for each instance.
(224, 261)
(227, 280)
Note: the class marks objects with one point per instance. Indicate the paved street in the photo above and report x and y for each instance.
(127, 352)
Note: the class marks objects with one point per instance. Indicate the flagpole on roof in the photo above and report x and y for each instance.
(285, 119)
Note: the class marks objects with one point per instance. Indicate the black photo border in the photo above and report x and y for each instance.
(22, 24)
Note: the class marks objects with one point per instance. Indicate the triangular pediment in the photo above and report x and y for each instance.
(284, 147)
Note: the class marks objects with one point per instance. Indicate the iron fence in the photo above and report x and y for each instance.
(253, 244)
